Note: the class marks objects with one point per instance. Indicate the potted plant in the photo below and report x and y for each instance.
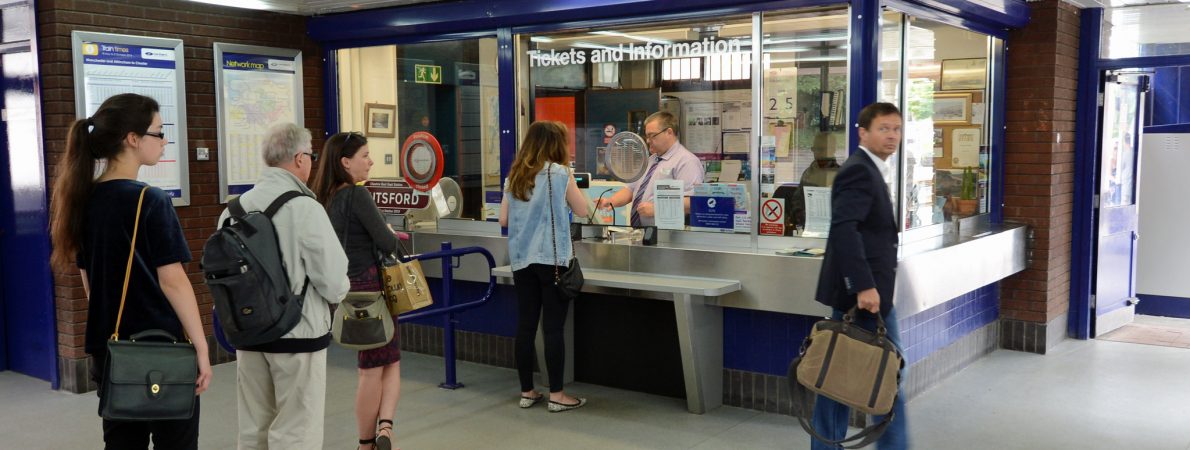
(968, 204)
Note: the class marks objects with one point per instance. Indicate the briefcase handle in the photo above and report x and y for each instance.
(849, 317)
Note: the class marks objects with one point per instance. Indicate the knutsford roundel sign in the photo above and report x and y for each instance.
(421, 160)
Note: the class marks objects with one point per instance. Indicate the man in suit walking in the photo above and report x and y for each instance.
(859, 269)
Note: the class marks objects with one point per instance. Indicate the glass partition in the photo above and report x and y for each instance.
(446, 90)
(1146, 30)
(805, 119)
(603, 83)
(943, 93)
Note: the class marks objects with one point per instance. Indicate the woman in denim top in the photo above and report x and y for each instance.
(526, 210)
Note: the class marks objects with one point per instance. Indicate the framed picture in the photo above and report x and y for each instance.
(964, 74)
(953, 109)
(380, 120)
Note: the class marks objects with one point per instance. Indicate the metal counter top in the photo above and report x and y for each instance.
(930, 272)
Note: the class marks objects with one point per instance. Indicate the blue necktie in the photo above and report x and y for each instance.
(640, 191)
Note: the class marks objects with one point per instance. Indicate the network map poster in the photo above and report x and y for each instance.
(257, 87)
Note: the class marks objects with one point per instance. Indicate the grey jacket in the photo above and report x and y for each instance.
(309, 248)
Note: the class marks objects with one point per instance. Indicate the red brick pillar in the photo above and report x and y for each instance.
(1039, 173)
(199, 26)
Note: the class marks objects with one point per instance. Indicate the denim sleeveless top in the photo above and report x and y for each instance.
(529, 222)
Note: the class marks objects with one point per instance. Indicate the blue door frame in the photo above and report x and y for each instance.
(1086, 156)
(26, 293)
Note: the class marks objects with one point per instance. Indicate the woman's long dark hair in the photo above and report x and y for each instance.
(331, 176)
(545, 141)
(100, 136)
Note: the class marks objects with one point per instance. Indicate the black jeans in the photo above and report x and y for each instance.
(536, 293)
(165, 434)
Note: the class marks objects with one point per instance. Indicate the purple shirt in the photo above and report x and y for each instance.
(677, 163)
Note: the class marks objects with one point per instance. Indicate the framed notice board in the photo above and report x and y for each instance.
(255, 88)
(110, 64)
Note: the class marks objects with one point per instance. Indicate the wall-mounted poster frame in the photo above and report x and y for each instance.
(110, 64)
(255, 88)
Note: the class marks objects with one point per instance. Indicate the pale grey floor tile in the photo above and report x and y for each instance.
(1083, 395)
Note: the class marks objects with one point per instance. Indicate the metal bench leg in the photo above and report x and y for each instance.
(700, 336)
(539, 346)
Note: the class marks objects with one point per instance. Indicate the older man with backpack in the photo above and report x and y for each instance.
(278, 318)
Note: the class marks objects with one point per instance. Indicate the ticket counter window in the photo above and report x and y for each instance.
(804, 117)
(942, 89)
(412, 97)
(603, 83)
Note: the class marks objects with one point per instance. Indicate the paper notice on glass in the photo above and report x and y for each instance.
(736, 115)
(737, 142)
(964, 146)
(667, 204)
(977, 112)
(783, 134)
(729, 170)
(702, 128)
(785, 172)
(818, 211)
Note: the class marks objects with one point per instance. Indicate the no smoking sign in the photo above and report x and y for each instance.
(772, 217)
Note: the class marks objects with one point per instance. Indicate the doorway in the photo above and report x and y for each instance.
(28, 338)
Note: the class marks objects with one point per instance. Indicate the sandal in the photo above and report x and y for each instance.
(371, 442)
(384, 442)
(559, 407)
(528, 402)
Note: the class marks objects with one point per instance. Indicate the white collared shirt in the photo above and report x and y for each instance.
(885, 173)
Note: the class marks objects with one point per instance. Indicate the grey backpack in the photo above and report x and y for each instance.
(244, 270)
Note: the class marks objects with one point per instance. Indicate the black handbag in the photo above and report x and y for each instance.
(570, 281)
(147, 379)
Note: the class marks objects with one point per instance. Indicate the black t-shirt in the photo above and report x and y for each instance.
(107, 233)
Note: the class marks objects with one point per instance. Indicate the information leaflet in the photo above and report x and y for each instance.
(667, 204)
(818, 211)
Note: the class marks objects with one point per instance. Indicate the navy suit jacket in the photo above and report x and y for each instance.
(861, 251)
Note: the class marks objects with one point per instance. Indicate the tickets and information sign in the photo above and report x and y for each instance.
(257, 87)
(106, 65)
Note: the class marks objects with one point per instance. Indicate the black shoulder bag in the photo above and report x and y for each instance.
(143, 379)
(570, 281)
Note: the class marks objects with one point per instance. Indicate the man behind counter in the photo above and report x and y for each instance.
(669, 160)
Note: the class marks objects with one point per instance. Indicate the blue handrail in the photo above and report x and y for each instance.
(447, 309)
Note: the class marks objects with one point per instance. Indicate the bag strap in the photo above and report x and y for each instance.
(867, 436)
(553, 228)
(280, 201)
(128, 268)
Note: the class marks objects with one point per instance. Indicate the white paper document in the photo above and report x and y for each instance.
(667, 204)
(818, 211)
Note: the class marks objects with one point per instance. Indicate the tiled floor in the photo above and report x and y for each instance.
(1152, 330)
(1083, 395)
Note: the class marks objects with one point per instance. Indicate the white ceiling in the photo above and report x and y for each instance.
(1109, 4)
(313, 7)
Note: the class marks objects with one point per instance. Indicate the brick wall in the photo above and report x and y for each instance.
(199, 26)
(1039, 172)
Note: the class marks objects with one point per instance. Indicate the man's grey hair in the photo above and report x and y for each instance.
(284, 141)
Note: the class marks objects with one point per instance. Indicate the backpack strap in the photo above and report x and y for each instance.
(280, 201)
(236, 209)
(272, 210)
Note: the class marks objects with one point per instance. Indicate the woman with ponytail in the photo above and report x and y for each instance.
(539, 191)
(91, 225)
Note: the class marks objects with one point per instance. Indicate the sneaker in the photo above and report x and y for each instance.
(528, 402)
(559, 407)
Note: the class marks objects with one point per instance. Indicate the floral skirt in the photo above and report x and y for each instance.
(391, 353)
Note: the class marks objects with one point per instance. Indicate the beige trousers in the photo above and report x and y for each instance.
(282, 398)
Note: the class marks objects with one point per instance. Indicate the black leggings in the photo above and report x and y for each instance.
(535, 293)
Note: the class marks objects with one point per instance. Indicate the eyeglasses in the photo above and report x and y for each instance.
(352, 135)
(158, 135)
(313, 156)
(650, 136)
